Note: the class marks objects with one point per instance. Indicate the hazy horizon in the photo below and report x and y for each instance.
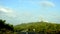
(24, 11)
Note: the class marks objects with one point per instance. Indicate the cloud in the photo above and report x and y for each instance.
(4, 11)
(47, 4)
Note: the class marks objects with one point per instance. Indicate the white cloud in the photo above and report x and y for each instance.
(7, 12)
(47, 4)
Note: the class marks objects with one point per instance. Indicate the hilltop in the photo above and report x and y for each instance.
(38, 26)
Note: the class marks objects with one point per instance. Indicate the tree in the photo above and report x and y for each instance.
(5, 27)
(2, 23)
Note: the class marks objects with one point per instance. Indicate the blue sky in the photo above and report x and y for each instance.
(24, 11)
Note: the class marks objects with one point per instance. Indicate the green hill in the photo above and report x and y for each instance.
(38, 26)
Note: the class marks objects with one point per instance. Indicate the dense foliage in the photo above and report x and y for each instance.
(39, 26)
(44, 27)
(4, 28)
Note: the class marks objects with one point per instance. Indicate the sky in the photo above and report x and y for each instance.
(25, 11)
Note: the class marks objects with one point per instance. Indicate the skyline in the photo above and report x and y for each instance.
(24, 11)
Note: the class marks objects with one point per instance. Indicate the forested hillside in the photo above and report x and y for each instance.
(44, 27)
(38, 27)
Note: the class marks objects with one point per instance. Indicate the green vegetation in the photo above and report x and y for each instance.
(5, 28)
(39, 26)
(45, 27)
